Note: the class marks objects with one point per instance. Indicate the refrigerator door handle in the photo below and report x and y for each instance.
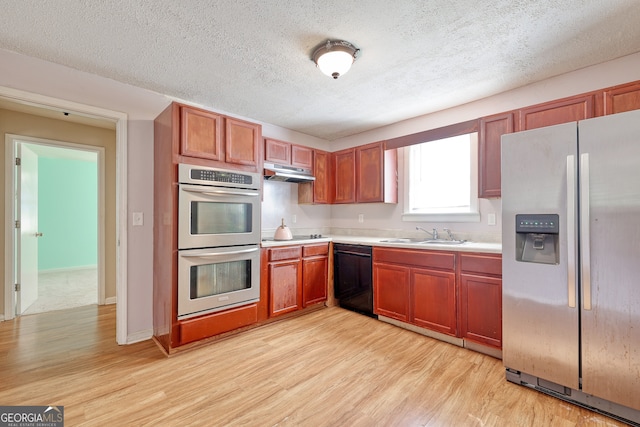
(571, 231)
(585, 245)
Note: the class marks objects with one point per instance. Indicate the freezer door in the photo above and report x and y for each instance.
(540, 317)
(610, 248)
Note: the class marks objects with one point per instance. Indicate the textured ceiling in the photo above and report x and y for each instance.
(252, 58)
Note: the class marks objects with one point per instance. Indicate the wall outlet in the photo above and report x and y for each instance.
(138, 219)
(360, 218)
(491, 219)
(294, 218)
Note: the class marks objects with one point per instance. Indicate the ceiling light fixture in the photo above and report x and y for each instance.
(334, 58)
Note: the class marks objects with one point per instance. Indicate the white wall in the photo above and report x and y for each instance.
(142, 106)
(380, 217)
(281, 201)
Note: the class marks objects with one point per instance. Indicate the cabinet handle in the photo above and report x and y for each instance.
(571, 231)
(208, 254)
(585, 245)
(211, 192)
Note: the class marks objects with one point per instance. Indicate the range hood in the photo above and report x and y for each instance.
(275, 172)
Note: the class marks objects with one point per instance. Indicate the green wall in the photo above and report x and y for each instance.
(67, 213)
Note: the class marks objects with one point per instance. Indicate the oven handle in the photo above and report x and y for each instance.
(217, 192)
(201, 254)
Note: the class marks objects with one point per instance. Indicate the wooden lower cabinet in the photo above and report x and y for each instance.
(217, 323)
(391, 288)
(454, 293)
(297, 277)
(315, 274)
(480, 302)
(284, 287)
(411, 287)
(434, 300)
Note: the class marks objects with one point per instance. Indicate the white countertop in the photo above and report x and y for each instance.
(495, 248)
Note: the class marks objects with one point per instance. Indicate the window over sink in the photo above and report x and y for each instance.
(441, 180)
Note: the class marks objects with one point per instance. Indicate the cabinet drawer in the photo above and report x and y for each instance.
(315, 250)
(420, 258)
(217, 323)
(288, 252)
(481, 264)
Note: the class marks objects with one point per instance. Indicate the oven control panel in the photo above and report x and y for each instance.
(220, 176)
(191, 174)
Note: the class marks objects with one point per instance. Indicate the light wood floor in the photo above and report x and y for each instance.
(327, 368)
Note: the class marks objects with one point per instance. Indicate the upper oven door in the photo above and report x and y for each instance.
(217, 216)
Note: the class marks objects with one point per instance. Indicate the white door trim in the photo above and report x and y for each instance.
(120, 120)
(11, 142)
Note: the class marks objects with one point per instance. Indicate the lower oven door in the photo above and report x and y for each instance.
(215, 279)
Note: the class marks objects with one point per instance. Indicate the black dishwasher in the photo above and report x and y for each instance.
(352, 277)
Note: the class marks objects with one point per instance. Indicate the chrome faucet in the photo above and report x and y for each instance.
(433, 233)
(449, 234)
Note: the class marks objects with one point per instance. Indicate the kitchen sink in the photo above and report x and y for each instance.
(423, 241)
(443, 242)
(403, 240)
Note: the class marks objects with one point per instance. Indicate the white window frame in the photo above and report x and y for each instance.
(473, 215)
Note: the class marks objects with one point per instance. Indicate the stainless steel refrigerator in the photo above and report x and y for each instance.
(571, 262)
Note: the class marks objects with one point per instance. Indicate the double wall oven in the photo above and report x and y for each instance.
(218, 239)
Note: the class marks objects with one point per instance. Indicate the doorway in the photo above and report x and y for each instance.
(116, 234)
(58, 190)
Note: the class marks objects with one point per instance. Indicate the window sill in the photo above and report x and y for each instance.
(442, 217)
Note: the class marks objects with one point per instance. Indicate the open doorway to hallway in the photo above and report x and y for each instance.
(59, 237)
(24, 113)
(67, 217)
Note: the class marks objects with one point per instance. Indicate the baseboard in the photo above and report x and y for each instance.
(140, 336)
(422, 331)
(62, 270)
(1, 317)
(110, 300)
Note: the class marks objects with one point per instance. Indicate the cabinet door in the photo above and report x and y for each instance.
(315, 272)
(324, 178)
(619, 99)
(391, 291)
(491, 129)
(301, 157)
(434, 300)
(553, 113)
(243, 143)
(344, 166)
(481, 309)
(369, 173)
(284, 287)
(277, 152)
(319, 191)
(200, 134)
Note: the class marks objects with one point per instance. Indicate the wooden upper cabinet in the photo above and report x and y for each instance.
(319, 191)
(619, 99)
(366, 174)
(277, 151)
(344, 166)
(555, 112)
(243, 143)
(200, 133)
(301, 157)
(489, 137)
(285, 153)
(223, 140)
(370, 173)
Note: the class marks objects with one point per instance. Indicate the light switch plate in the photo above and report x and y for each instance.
(491, 219)
(138, 218)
